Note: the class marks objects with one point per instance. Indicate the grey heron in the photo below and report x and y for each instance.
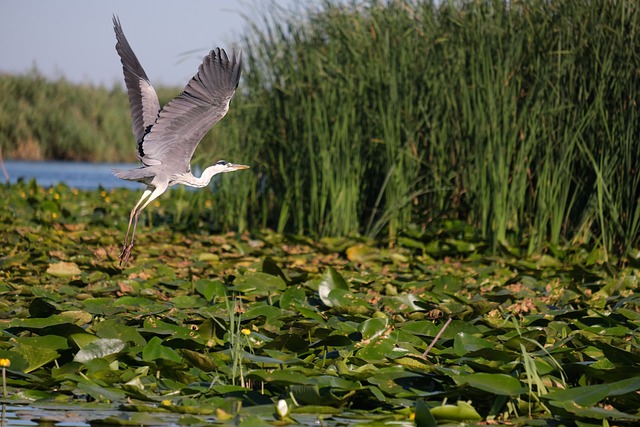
(167, 137)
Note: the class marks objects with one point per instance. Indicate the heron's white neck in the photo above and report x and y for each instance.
(206, 176)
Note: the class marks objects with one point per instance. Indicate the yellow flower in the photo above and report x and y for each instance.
(4, 363)
(246, 331)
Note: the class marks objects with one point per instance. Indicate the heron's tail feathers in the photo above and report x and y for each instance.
(140, 174)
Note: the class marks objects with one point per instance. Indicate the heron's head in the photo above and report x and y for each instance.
(224, 166)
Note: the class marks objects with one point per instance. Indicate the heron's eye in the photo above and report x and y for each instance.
(222, 163)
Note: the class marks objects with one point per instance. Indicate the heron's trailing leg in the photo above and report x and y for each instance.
(127, 245)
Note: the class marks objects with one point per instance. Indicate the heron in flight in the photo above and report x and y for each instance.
(167, 137)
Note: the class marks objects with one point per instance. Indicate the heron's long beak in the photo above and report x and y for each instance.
(240, 167)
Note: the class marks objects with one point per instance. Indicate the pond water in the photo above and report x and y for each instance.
(81, 175)
(50, 415)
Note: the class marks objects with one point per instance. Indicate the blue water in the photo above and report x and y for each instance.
(84, 176)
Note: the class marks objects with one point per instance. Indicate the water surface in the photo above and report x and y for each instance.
(81, 175)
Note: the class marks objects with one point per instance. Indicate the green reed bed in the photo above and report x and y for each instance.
(518, 118)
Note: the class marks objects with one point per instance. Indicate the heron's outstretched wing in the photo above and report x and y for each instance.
(183, 122)
(142, 96)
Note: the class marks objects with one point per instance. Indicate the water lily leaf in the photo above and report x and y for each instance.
(500, 384)
(461, 411)
(187, 301)
(431, 329)
(63, 269)
(51, 342)
(208, 257)
(396, 380)
(140, 305)
(594, 412)
(290, 342)
(199, 360)
(102, 306)
(100, 393)
(35, 356)
(464, 343)
(99, 348)
(462, 246)
(77, 317)
(258, 283)
(311, 394)
(373, 328)
(269, 266)
(331, 280)
(14, 260)
(157, 327)
(362, 253)
(548, 261)
(39, 323)
(269, 312)
(347, 302)
(308, 313)
(253, 421)
(592, 394)
(283, 377)
(114, 328)
(423, 416)
(154, 350)
(18, 362)
(210, 289)
(377, 349)
(618, 355)
(335, 340)
(293, 295)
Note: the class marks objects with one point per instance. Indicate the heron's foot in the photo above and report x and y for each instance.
(125, 254)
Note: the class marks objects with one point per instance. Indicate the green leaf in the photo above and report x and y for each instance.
(99, 348)
(269, 312)
(592, 394)
(36, 357)
(373, 328)
(331, 280)
(347, 302)
(51, 342)
(258, 283)
(63, 269)
(423, 415)
(311, 394)
(594, 412)
(464, 343)
(283, 377)
(210, 289)
(154, 350)
(500, 384)
(114, 328)
(82, 340)
(462, 411)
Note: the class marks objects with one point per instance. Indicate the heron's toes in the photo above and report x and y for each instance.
(125, 254)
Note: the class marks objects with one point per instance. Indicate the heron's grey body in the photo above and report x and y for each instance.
(167, 137)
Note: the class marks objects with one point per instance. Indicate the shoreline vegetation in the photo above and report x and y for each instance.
(440, 227)
(519, 119)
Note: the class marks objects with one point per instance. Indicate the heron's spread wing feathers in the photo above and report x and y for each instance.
(183, 122)
(142, 96)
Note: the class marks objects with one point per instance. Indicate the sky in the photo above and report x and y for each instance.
(74, 39)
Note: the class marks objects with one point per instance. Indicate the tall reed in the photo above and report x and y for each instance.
(517, 117)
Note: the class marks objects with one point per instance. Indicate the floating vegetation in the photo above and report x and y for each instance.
(268, 328)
